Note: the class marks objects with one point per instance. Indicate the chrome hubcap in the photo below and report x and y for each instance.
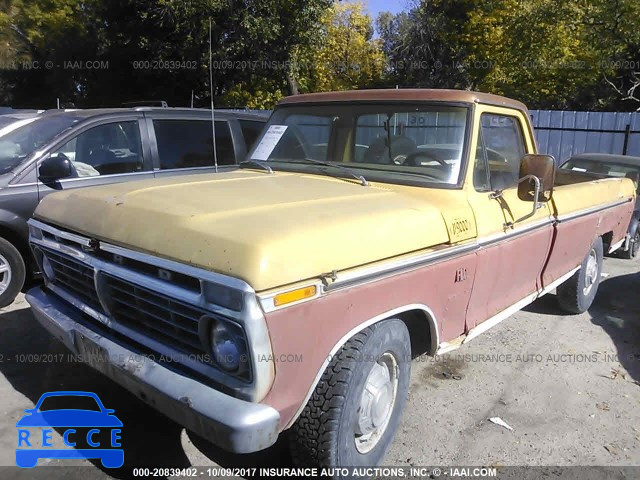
(591, 272)
(5, 274)
(376, 403)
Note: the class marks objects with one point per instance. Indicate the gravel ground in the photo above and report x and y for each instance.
(568, 386)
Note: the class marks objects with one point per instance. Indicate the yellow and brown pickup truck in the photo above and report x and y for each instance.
(364, 229)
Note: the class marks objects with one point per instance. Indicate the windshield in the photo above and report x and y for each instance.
(610, 169)
(17, 144)
(392, 141)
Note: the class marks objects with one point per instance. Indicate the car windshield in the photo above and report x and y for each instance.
(69, 402)
(18, 144)
(610, 169)
(388, 141)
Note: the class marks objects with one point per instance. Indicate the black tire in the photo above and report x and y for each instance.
(634, 247)
(574, 295)
(11, 257)
(324, 435)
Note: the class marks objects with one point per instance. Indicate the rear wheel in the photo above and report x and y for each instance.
(351, 417)
(634, 246)
(576, 294)
(12, 272)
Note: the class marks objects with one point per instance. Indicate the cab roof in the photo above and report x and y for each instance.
(408, 94)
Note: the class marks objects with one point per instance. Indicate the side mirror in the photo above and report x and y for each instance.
(55, 167)
(542, 167)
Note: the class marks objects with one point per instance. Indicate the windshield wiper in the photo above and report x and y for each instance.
(360, 178)
(256, 162)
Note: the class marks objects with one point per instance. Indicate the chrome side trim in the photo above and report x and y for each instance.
(349, 279)
(496, 319)
(435, 339)
(589, 211)
(499, 237)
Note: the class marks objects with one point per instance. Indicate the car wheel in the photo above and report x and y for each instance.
(12, 272)
(351, 418)
(576, 294)
(634, 246)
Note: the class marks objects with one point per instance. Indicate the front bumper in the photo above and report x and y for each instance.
(233, 424)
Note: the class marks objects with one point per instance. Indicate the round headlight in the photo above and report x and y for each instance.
(47, 268)
(227, 347)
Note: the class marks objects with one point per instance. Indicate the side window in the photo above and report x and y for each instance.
(189, 143)
(105, 150)
(504, 148)
(251, 131)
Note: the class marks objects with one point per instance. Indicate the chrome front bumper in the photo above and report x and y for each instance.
(233, 424)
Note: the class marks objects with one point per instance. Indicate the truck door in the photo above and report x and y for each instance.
(513, 248)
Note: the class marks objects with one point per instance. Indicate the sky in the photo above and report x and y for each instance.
(376, 6)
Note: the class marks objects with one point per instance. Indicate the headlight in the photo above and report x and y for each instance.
(229, 347)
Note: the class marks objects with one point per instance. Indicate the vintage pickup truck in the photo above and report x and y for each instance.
(364, 229)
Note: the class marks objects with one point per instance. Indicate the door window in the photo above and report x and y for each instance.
(188, 143)
(502, 145)
(107, 149)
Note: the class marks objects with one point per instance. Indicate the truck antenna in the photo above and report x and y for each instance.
(213, 117)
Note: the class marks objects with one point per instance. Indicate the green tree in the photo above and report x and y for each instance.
(424, 46)
(157, 49)
(548, 53)
(345, 55)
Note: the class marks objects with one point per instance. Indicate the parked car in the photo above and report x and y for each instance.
(604, 165)
(292, 294)
(9, 123)
(66, 150)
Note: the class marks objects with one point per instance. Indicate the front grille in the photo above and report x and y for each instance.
(175, 278)
(155, 315)
(75, 277)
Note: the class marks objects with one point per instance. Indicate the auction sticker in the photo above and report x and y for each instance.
(269, 142)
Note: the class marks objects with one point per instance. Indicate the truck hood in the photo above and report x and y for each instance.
(268, 230)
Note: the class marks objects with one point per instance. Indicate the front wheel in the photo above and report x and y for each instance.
(12, 272)
(352, 416)
(634, 246)
(577, 294)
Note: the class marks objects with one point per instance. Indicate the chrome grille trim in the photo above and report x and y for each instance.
(134, 305)
(77, 249)
(72, 275)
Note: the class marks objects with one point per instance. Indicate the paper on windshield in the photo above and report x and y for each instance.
(269, 141)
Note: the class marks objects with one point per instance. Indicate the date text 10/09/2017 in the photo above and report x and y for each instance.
(364, 472)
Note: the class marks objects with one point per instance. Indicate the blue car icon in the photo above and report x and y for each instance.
(34, 444)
